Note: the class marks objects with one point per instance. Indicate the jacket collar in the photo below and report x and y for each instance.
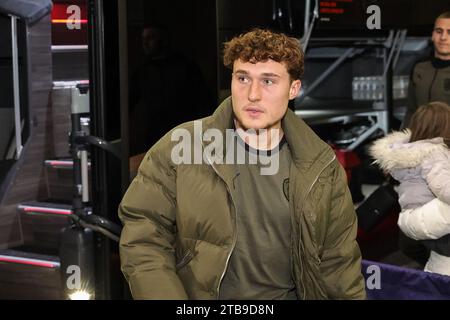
(306, 147)
(439, 63)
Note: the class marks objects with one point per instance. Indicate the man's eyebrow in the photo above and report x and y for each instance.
(441, 29)
(265, 74)
(269, 74)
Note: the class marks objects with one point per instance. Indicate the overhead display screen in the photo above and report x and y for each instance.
(379, 15)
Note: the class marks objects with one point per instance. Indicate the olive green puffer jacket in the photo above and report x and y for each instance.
(179, 221)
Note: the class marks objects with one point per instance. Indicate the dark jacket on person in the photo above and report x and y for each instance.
(430, 81)
(179, 221)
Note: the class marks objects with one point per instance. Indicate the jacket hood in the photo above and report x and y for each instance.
(394, 151)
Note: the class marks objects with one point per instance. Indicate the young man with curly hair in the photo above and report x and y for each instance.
(221, 230)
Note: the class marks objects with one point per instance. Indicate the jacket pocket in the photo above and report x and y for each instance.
(185, 259)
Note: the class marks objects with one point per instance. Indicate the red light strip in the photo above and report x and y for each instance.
(56, 163)
(69, 21)
(46, 210)
(61, 163)
(29, 261)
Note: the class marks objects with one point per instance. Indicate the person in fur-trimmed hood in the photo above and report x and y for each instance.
(419, 158)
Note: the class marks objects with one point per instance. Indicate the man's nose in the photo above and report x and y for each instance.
(444, 35)
(254, 91)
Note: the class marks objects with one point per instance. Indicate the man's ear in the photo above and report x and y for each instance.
(295, 89)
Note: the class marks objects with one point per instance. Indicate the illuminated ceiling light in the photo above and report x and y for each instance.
(80, 295)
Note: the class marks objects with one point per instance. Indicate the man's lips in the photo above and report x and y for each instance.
(253, 110)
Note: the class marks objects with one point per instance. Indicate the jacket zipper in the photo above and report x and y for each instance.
(303, 203)
(235, 227)
(185, 260)
(232, 247)
(292, 256)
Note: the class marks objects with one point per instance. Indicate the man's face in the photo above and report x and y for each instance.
(260, 93)
(151, 41)
(441, 39)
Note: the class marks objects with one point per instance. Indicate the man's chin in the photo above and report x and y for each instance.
(253, 125)
(442, 54)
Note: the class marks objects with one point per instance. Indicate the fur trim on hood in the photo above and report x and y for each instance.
(394, 151)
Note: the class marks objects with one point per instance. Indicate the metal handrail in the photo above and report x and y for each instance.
(15, 65)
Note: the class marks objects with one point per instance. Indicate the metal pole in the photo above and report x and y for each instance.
(84, 176)
(400, 46)
(124, 92)
(306, 21)
(309, 26)
(391, 52)
(15, 66)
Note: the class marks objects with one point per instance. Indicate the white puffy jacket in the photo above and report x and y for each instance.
(423, 169)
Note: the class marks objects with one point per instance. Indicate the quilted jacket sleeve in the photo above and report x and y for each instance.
(430, 221)
(341, 257)
(147, 212)
(436, 171)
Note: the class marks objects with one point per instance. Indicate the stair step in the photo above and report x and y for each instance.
(25, 275)
(59, 178)
(42, 223)
(59, 164)
(41, 207)
(29, 258)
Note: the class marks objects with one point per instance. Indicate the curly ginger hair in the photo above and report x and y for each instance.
(259, 45)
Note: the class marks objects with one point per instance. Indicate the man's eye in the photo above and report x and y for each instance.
(268, 82)
(243, 79)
